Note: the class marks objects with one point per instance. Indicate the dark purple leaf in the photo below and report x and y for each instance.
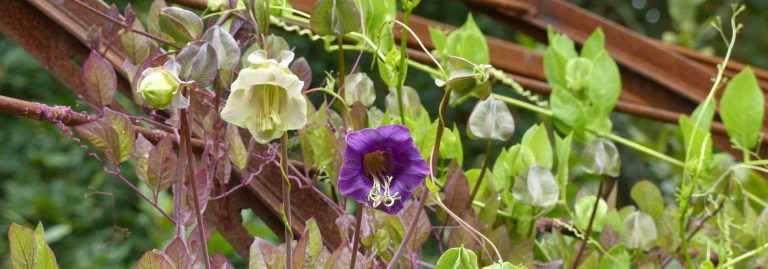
(301, 68)
(110, 28)
(100, 80)
(161, 170)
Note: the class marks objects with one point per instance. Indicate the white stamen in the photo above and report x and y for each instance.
(380, 192)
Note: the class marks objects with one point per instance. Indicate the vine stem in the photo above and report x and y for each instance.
(286, 188)
(425, 192)
(483, 171)
(185, 138)
(356, 239)
(583, 245)
(403, 64)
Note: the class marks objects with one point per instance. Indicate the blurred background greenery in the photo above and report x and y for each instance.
(93, 221)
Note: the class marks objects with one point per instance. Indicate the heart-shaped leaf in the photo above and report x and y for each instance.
(100, 80)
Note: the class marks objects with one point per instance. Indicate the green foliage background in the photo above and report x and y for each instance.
(93, 221)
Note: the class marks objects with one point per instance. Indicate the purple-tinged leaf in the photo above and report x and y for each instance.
(153, 17)
(423, 227)
(140, 157)
(178, 252)
(161, 170)
(303, 70)
(180, 24)
(100, 80)
(218, 261)
(124, 130)
(136, 47)
(154, 259)
(198, 63)
(265, 255)
(456, 189)
(227, 50)
(103, 137)
(111, 29)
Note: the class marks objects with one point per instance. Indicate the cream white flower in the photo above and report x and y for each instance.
(266, 99)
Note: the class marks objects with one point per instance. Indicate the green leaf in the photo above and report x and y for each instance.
(451, 147)
(423, 132)
(648, 198)
(604, 85)
(511, 163)
(335, 17)
(125, 132)
(468, 42)
(439, 39)
(314, 245)
(29, 249)
(616, 258)
(698, 143)
(238, 154)
(457, 258)
(560, 50)
(377, 13)
(577, 73)
(639, 231)
(537, 139)
(504, 265)
(359, 88)
(594, 45)
(180, 24)
(154, 259)
(569, 111)
(742, 109)
(136, 47)
(583, 211)
(491, 119)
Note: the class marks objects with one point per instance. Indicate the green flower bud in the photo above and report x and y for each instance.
(157, 86)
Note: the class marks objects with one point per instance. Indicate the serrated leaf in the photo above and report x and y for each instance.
(162, 165)
(154, 259)
(742, 108)
(238, 154)
(639, 231)
(125, 132)
(227, 50)
(560, 50)
(335, 17)
(457, 258)
(537, 139)
(180, 24)
(594, 45)
(491, 119)
(100, 80)
(439, 40)
(648, 198)
(468, 42)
